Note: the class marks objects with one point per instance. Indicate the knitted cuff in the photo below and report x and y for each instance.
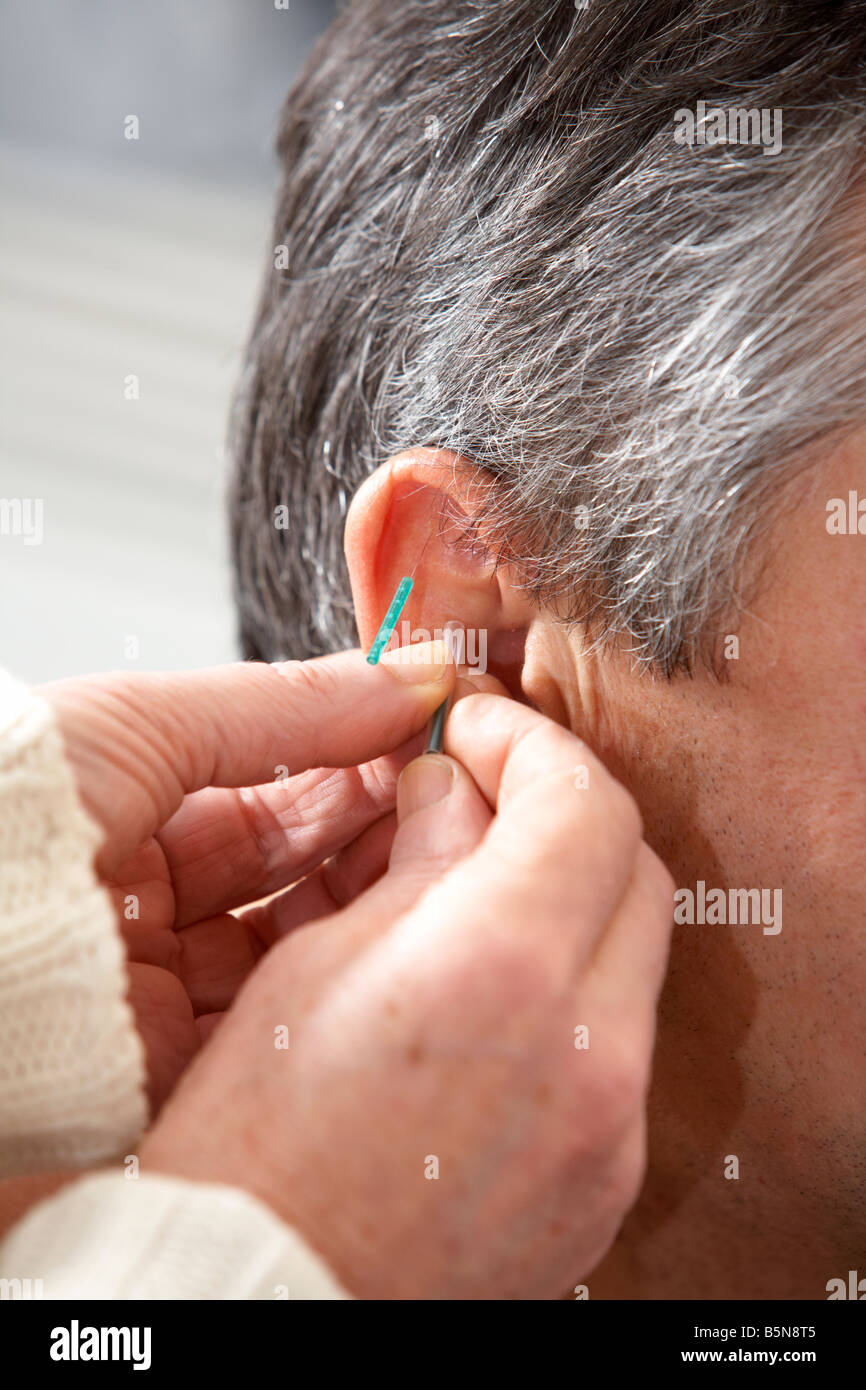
(71, 1061)
(158, 1237)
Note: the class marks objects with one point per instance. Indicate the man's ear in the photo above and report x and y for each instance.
(414, 516)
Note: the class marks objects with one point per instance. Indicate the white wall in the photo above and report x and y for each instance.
(122, 258)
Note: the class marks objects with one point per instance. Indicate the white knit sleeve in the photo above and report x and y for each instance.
(159, 1237)
(71, 1062)
(72, 1069)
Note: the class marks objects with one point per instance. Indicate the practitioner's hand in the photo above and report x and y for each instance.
(459, 1111)
(202, 786)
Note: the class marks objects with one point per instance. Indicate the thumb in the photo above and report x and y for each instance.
(441, 818)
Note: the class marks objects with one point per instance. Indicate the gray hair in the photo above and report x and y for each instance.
(497, 247)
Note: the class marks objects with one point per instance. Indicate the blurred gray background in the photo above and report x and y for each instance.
(126, 258)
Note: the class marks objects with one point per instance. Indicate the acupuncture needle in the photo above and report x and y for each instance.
(380, 642)
(437, 729)
(390, 620)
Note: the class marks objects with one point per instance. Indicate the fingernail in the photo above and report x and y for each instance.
(418, 663)
(422, 783)
(473, 683)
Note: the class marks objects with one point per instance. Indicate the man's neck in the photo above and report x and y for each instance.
(720, 1241)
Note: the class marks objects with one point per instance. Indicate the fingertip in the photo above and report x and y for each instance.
(478, 683)
(423, 782)
(441, 816)
(420, 664)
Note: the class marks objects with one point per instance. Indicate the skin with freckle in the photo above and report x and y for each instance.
(756, 781)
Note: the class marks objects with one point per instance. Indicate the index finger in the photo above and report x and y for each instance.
(504, 745)
(560, 852)
(154, 738)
